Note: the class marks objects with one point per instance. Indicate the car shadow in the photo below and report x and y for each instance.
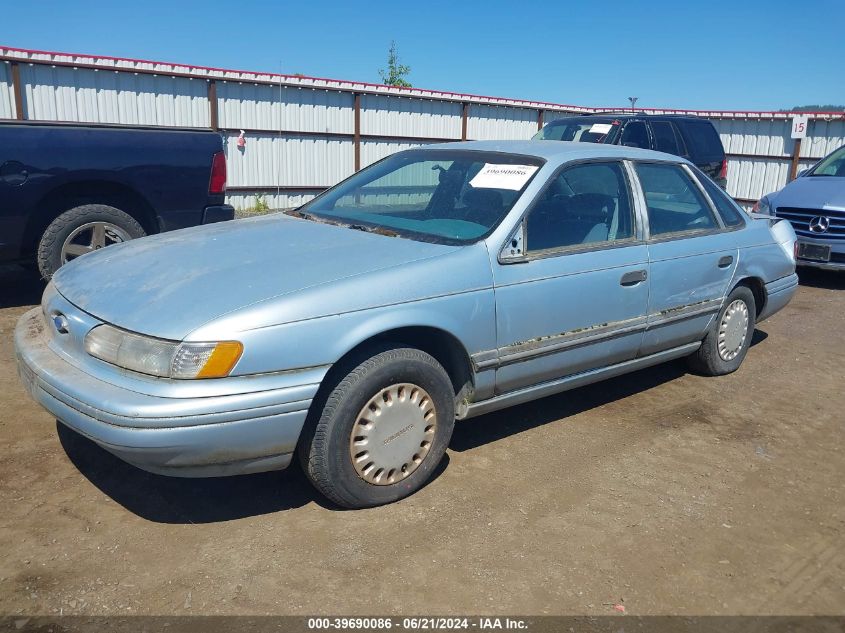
(164, 499)
(498, 425)
(817, 278)
(495, 426)
(19, 286)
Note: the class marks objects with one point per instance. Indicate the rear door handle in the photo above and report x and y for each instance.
(726, 261)
(633, 278)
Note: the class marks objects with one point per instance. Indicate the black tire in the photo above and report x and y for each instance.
(49, 256)
(324, 450)
(707, 359)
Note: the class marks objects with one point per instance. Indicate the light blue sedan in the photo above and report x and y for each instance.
(814, 204)
(438, 284)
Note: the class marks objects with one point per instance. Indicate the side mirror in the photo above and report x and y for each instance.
(513, 252)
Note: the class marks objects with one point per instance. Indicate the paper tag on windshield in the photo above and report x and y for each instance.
(601, 128)
(494, 176)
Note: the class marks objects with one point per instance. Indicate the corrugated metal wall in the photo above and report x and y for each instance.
(7, 103)
(375, 150)
(501, 122)
(108, 96)
(400, 116)
(267, 107)
(302, 134)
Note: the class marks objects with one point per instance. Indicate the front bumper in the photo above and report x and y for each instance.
(213, 435)
(837, 253)
(833, 265)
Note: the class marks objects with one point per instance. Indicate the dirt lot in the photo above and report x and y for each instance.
(670, 492)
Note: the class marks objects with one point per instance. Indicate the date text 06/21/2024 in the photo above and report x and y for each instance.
(418, 623)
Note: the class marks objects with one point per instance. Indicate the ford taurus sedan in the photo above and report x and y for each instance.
(814, 204)
(438, 284)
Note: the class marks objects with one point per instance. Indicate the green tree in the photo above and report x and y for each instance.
(396, 72)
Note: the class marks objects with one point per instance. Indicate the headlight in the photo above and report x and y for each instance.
(159, 357)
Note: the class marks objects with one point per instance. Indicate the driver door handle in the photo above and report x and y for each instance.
(633, 278)
(726, 261)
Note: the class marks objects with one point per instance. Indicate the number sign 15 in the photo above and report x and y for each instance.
(799, 127)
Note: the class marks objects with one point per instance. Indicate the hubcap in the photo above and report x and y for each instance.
(393, 434)
(733, 329)
(91, 237)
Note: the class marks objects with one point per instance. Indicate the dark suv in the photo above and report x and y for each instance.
(690, 137)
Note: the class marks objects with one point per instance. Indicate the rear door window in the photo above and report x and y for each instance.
(664, 137)
(682, 146)
(635, 134)
(674, 203)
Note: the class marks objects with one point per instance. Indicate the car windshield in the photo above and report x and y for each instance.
(444, 196)
(833, 165)
(589, 130)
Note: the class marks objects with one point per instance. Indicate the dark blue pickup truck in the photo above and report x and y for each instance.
(68, 189)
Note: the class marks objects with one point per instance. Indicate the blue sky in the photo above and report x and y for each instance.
(719, 55)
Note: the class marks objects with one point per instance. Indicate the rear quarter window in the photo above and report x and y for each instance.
(731, 214)
(702, 140)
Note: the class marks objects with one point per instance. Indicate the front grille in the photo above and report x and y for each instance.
(800, 221)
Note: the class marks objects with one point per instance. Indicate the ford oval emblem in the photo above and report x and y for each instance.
(61, 324)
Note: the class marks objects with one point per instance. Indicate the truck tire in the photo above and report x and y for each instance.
(382, 430)
(81, 230)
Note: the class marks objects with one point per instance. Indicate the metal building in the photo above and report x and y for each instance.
(304, 133)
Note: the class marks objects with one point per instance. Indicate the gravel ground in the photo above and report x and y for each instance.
(661, 490)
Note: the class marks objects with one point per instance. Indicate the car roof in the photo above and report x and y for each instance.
(558, 151)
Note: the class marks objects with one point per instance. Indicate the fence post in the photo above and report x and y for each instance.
(212, 105)
(539, 120)
(796, 154)
(356, 139)
(16, 89)
(464, 118)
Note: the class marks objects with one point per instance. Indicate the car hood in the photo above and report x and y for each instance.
(170, 284)
(812, 192)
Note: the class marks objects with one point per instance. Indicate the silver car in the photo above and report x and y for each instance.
(438, 284)
(814, 203)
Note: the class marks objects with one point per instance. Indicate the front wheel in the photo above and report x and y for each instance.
(384, 428)
(729, 337)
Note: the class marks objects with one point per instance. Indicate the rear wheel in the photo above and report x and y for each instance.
(729, 337)
(82, 230)
(384, 428)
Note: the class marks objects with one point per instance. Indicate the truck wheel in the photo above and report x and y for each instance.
(81, 230)
(384, 428)
(729, 337)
